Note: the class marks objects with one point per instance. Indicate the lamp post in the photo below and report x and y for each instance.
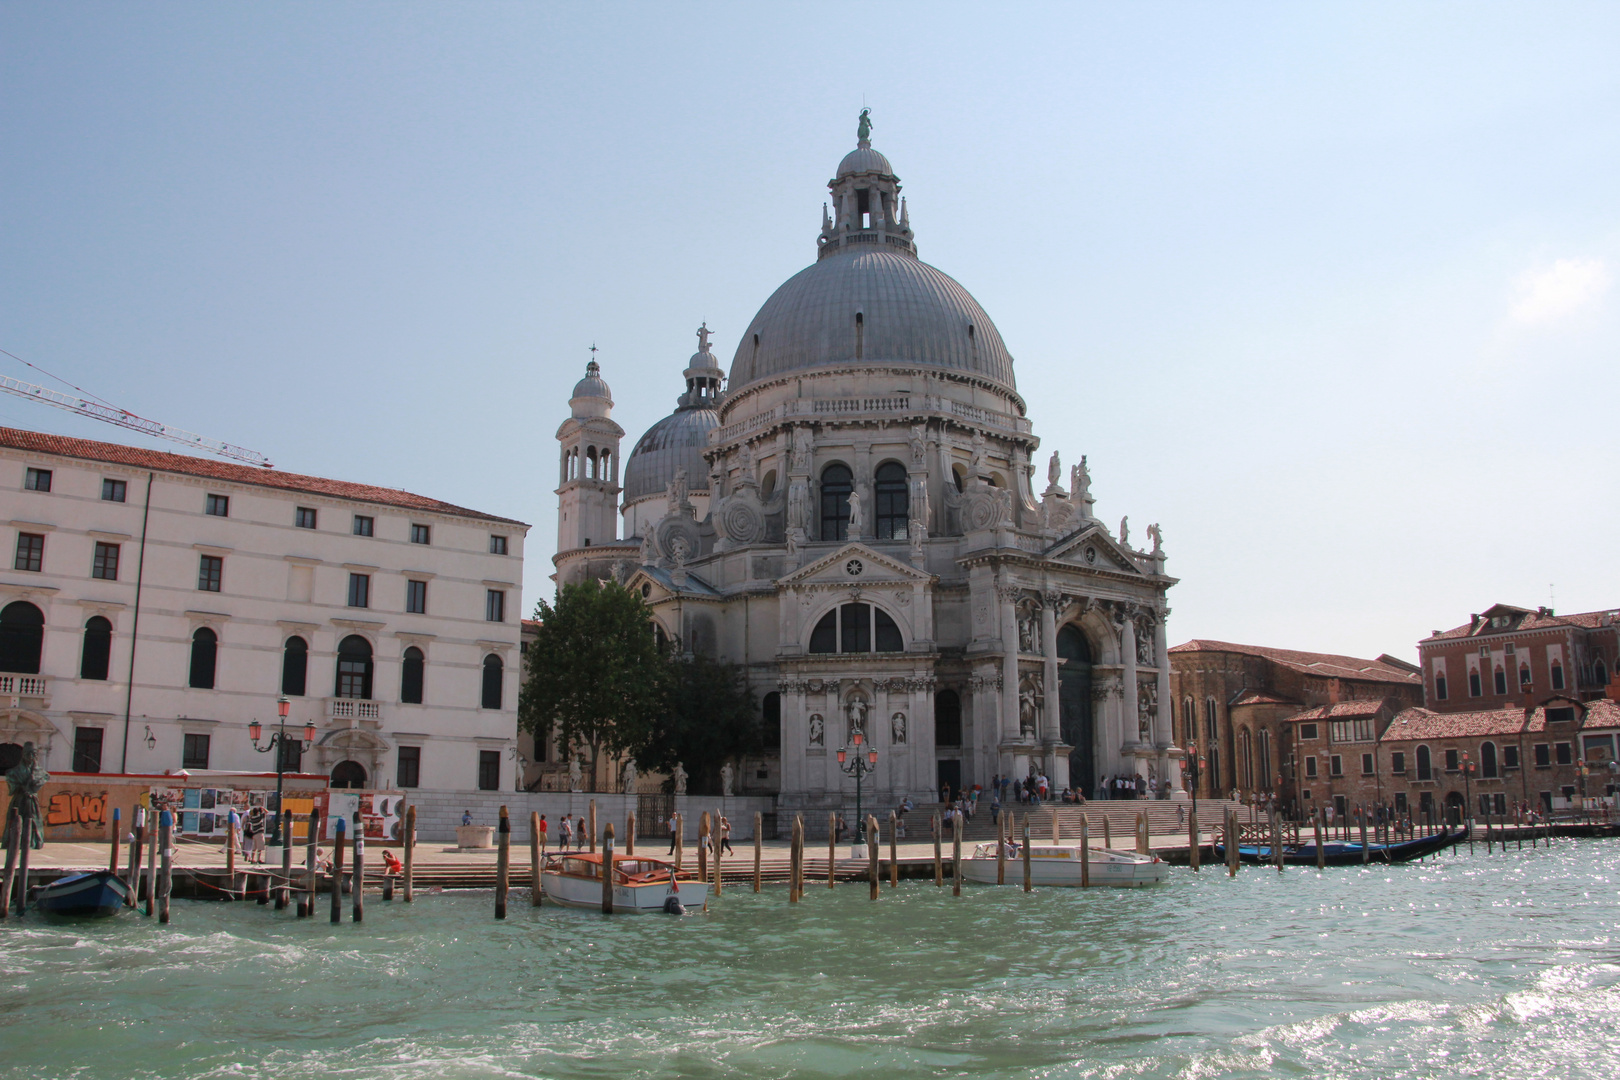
(1468, 791)
(1194, 764)
(857, 765)
(277, 739)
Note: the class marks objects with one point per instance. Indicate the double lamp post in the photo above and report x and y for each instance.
(278, 739)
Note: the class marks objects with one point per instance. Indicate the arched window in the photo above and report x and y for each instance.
(411, 667)
(604, 467)
(349, 774)
(590, 463)
(947, 718)
(770, 717)
(1557, 675)
(295, 667)
(1245, 760)
(204, 656)
(1501, 680)
(354, 668)
(1473, 683)
(853, 628)
(1600, 674)
(1264, 762)
(1487, 759)
(1425, 768)
(1189, 720)
(836, 484)
(22, 636)
(494, 672)
(892, 501)
(96, 656)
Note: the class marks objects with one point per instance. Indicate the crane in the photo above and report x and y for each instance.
(125, 419)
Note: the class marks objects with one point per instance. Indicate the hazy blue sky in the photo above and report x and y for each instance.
(1327, 290)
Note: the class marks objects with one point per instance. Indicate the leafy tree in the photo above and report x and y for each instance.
(708, 717)
(596, 676)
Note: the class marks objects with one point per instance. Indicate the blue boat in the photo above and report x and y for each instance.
(1349, 854)
(93, 895)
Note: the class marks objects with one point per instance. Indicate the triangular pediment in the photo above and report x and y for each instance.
(854, 564)
(656, 583)
(1093, 548)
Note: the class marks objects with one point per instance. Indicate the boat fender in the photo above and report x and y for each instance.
(673, 906)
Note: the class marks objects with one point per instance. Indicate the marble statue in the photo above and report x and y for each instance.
(857, 716)
(727, 775)
(679, 776)
(574, 774)
(630, 776)
(818, 730)
(677, 491)
(1080, 481)
(1125, 531)
(1054, 471)
(703, 336)
(897, 727)
(1157, 537)
(855, 521)
(24, 780)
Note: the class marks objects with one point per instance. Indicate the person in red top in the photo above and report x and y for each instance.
(545, 831)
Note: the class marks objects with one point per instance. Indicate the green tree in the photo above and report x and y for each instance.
(708, 717)
(596, 676)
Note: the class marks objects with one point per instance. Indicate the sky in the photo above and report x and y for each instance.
(1327, 290)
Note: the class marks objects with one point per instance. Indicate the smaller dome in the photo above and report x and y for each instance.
(592, 385)
(675, 442)
(864, 159)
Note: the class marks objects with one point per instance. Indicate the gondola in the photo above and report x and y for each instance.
(1349, 854)
(97, 894)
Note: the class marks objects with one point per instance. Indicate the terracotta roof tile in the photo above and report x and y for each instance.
(1261, 697)
(1529, 619)
(1344, 710)
(1417, 723)
(1327, 665)
(137, 457)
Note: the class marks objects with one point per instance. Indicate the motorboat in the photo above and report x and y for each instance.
(1060, 864)
(640, 884)
(1349, 853)
(97, 894)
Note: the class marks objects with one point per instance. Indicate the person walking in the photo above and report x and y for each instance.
(725, 836)
(545, 830)
(581, 831)
(565, 832)
(673, 824)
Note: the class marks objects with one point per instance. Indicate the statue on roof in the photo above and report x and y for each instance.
(703, 337)
(864, 131)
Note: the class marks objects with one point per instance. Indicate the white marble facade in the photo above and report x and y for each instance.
(870, 545)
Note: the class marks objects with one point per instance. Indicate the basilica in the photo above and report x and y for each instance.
(851, 515)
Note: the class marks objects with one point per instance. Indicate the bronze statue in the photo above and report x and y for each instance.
(25, 779)
(864, 132)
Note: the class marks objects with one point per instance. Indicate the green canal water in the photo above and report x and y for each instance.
(1469, 966)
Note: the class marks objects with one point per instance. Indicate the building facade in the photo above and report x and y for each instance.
(1506, 652)
(853, 518)
(1235, 703)
(153, 605)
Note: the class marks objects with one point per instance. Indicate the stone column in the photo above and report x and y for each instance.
(1008, 596)
(1169, 767)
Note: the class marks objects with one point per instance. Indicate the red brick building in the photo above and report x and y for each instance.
(1234, 703)
(1506, 652)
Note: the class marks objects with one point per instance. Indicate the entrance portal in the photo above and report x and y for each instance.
(1074, 704)
(349, 774)
(950, 776)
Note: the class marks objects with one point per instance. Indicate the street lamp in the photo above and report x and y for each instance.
(1468, 792)
(1194, 764)
(857, 765)
(277, 739)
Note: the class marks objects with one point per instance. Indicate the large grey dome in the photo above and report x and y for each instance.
(675, 442)
(911, 313)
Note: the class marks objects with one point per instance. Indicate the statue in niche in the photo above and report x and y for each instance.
(857, 717)
(1157, 537)
(678, 551)
(1029, 709)
(798, 505)
(803, 446)
(855, 521)
(897, 727)
(679, 777)
(1028, 632)
(728, 775)
(976, 462)
(1125, 531)
(575, 774)
(919, 444)
(818, 730)
(1144, 647)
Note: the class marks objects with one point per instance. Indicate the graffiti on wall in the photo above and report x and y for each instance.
(76, 808)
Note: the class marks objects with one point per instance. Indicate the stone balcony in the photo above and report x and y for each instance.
(18, 687)
(356, 712)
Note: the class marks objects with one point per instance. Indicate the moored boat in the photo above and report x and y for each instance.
(1349, 853)
(1060, 864)
(93, 895)
(640, 884)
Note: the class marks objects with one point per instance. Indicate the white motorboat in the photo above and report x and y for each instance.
(1059, 864)
(640, 884)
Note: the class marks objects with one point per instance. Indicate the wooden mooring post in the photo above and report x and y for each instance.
(680, 839)
(306, 906)
(894, 850)
(1001, 849)
(112, 858)
(1231, 843)
(135, 848)
(534, 858)
(410, 852)
(1141, 832)
(503, 861)
(1364, 851)
(1194, 840)
(230, 855)
(716, 838)
(939, 860)
(630, 832)
(796, 861)
(872, 852)
(607, 865)
(13, 836)
(1321, 850)
(358, 846)
(284, 888)
(1108, 833)
(703, 846)
(165, 833)
(956, 854)
(832, 849)
(592, 832)
(1028, 880)
(1276, 840)
(339, 827)
(759, 841)
(1085, 852)
(151, 866)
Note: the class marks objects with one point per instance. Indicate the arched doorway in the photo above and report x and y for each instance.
(1074, 708)
(348, 774)
(1454, 808)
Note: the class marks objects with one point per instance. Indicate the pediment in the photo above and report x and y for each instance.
(855, 565)
(1093, 548)
(660, 585)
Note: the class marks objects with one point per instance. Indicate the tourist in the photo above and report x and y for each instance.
(674, 825)
(466, 817)
(725, 836)
(995, 801)
(255, 832)
(1042, 788)
(581, 832)
(391, 864)
(565, 833)
(545, 829)
(841, 828)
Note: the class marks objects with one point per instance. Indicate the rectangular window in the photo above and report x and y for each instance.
(194, 752)
(30, 552)
(489, 770)
(416, 597)
(1501, 681)
(1336, 765)
(87, 749)
(1366, 764)
(497, 545)
(1510, 756)
(1400, 802)
(1451, 761)
(495, 606)
(1307, 731)
(1564, 714)
(359, 590)
(304, 517)
(362, 525)
(1543, 754)
(408, 771)
(1397, 763)
(210, 571)
(1310, 767)
(113, 490)
(421, 534)
(37, 480)
(1561, 753)
(218, 506)
(105, 565)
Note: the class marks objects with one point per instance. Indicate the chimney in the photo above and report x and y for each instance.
(1333, 691)
(1529, 705)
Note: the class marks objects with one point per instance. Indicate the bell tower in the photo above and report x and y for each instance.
(588, 474)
